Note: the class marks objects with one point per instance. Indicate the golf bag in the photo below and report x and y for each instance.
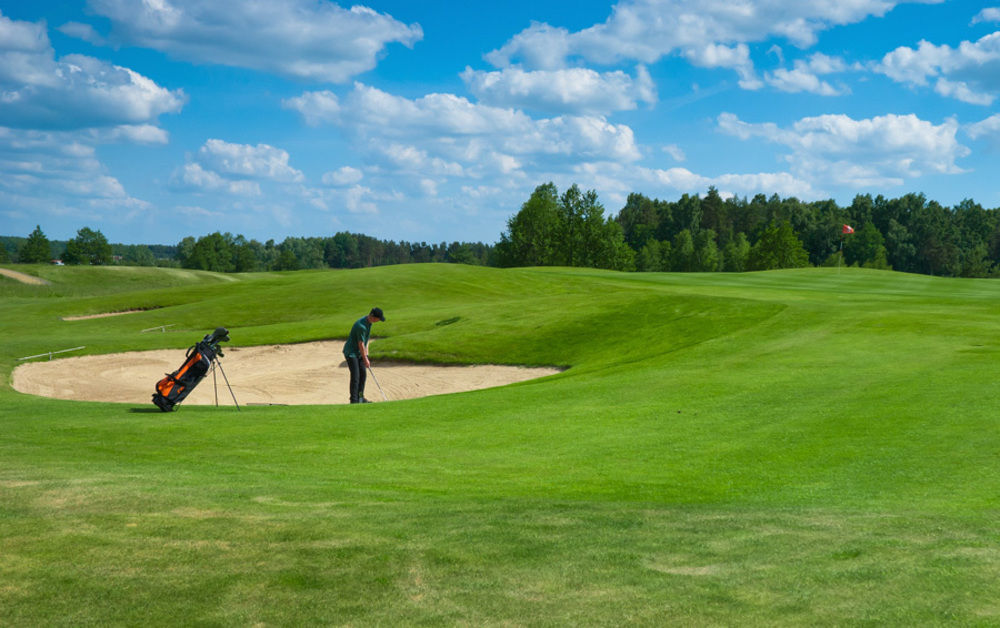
(176, 386)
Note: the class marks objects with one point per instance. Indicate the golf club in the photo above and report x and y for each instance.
(377, 384)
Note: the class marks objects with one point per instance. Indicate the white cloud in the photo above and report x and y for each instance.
(970, 72)
(429, 187)
(539, 46)
(136, 133)
(343, 176)
(300, 39)
(433, 147)
(74, 92)
(47, 172)
(56, 112)
(989, 14)
(720, 56)
(193, 176)
(316, 107)
(413, 160)
(710, 33)
(445, 134)
(988, 129)
(356, 200)
(236, 169)
(481, 191)
(836, 149)
(804, 77)
(85, 32)
(675, 151)
(259, 162)
(572, 90)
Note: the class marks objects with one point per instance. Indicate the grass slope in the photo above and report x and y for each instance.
(798, 447)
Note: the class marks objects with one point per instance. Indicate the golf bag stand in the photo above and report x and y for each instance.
(218, 363)
(176, 386)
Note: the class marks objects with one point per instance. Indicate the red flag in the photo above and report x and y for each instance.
(848, 229)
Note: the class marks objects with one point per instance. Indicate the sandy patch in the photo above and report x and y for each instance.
(104, 315)
(308, 373)
(23, 278)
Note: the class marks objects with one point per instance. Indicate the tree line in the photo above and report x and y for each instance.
(691, 234)
(735, 234)
(224, 252)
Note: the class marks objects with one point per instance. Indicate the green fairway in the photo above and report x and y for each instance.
(803, 447)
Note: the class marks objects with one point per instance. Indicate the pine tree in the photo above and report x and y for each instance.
(36, 249)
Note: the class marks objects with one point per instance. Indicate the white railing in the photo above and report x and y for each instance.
(162, 328)
(51, 353)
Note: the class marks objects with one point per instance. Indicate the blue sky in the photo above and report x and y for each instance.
(152, 120)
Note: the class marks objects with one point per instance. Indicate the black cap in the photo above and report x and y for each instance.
(377, 313)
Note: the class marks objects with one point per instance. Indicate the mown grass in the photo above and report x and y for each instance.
(810, 447)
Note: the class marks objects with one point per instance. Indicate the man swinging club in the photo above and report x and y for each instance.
(356, 352)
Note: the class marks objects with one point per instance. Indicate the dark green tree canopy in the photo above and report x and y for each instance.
(567, 230)
(36, 249)
(778, 247)
(88, 247)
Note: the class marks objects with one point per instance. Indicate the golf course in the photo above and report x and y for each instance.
(817, 446)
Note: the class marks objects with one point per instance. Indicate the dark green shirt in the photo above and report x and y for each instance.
(359, 333)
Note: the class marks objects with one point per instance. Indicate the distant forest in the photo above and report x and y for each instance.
(691, 234)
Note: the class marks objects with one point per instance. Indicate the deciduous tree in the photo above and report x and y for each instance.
(88, 247)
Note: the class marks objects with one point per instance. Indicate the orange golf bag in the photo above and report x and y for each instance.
(176, 386)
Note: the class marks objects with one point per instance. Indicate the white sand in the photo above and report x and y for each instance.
(308, 373)
(23, 277)
(104, 315)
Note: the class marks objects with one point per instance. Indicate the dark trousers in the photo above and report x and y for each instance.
(358, 377)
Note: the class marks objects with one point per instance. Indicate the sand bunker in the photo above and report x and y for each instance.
(23, 277)
(308, 373)
(86, 317)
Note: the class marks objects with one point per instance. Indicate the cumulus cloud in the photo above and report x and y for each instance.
(711, 33)
(194, 176)
(732, 57)
(345, 175)
(316, 107)
(969, 72)
(804, 76)
(135, 133)
(74, 92)
(358, 200)
(989, 14)
(433, 147)
(884, 150)
(237, 169)
(456, 136)
(57, 172)
(242, 160)
(571, 90)
(301, 39)
(988, 129)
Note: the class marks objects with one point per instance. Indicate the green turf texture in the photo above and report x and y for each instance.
(805, 447)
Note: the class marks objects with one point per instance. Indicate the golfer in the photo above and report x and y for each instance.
(356, 352)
